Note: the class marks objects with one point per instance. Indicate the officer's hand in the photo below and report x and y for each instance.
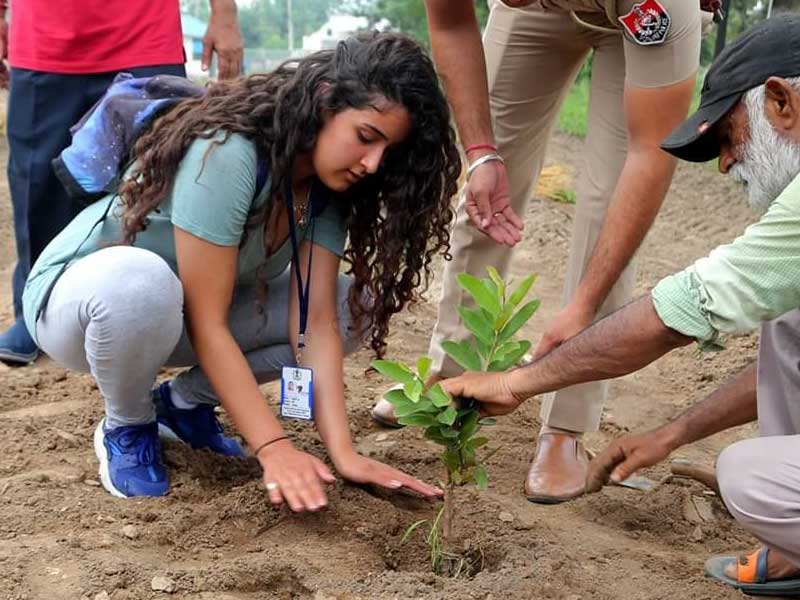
(623, 457)
(487, 203)
(224, 37)
(567, 323)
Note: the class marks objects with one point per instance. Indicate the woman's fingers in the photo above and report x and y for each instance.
(311, 492)
(395, 479)
(322, 471)
(274, 493)
(300, 488)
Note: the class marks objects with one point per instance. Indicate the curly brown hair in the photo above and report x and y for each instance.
(399, 217)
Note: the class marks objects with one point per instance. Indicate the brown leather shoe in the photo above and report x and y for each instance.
(558, 471)
(383, 412)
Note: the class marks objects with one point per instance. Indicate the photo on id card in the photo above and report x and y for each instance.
(297, 393)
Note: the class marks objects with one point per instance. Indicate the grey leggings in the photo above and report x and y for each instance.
(118, 314)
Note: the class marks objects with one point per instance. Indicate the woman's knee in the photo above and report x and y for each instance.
(135, 289)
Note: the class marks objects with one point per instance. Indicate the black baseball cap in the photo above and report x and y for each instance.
(769, 49)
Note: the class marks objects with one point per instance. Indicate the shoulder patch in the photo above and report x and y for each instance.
(647, 23)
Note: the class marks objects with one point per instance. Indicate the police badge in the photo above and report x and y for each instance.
(647, 23)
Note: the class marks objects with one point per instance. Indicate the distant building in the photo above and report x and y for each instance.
(194, 30)
(337, 28)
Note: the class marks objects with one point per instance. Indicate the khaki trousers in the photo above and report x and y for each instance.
(760, 478)
(532, 58)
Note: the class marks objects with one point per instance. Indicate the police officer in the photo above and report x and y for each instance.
(646, 55)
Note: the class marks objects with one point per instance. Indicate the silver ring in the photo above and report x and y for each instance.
(271, 486)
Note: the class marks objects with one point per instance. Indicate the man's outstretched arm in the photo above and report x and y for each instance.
(623, 342)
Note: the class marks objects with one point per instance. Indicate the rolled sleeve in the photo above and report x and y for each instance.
(739, 285)
(679, 306)
(674, 60)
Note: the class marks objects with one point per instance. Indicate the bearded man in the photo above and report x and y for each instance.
(749, 117)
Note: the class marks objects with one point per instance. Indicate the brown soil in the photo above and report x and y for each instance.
(216, 537)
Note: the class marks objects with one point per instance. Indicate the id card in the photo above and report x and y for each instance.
(297, 393)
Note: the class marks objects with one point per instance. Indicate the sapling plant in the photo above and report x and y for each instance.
(455, 424)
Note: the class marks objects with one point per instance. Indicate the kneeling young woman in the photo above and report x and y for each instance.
(194, 266)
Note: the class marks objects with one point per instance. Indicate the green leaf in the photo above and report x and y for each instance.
(490, 286)
(475, 288)
(413, 389)
(510, 359)
(474, 320)
(438, 396)
(503, 317)
(447, 416)
(488, 421)
(463, 354)
(423, 367)
(469, 457)
(469, 425)
(451, 460)
(394, 370)
(417, 420)
(396, 395)
(519, 293)
(448, 432)
(498, 281)
(477, 442)
(505, 349)
(481, 478)
(483, 349)
(456, 477)
(404, 409)
(411, 529)
(435, 435)
(518, 320)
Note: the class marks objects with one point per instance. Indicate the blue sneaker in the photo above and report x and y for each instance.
(197, 427)
(130, 460)
(17, 346)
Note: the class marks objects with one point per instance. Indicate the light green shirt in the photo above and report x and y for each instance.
(739, 285)
(213, 196)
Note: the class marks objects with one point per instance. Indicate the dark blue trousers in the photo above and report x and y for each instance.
(41, 109)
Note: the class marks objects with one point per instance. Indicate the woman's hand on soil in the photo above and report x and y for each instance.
(361, 469)
(491, 390)
(626, 455)
(487, 203)
(294, 477)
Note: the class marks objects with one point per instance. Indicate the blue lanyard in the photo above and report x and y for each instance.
(303, 292)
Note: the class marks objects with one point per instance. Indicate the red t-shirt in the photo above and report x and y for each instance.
(94, 36)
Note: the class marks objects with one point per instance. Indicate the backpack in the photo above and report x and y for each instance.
(92, 165)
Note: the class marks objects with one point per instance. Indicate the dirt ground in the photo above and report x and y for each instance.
(215, 536)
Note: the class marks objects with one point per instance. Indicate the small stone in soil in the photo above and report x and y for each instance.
(162, 584)
(101, 596)
(130, 532)
(92, 482)
(697, 535)
(381, 437)
(506, 517)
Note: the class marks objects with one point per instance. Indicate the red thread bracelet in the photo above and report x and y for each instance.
(474, 147)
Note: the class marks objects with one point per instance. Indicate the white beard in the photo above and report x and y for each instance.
(770, 161)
